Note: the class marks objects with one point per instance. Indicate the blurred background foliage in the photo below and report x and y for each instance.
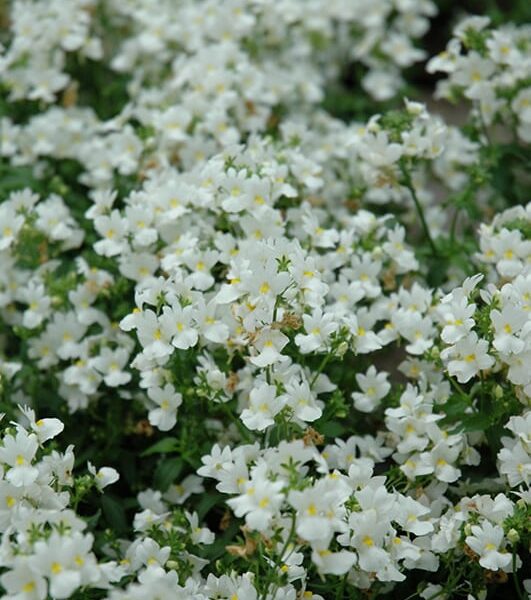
(344, 100)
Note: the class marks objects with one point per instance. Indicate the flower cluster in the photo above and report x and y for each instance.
(45, 549)
(491, 68)
(304, 343)
(44, 35)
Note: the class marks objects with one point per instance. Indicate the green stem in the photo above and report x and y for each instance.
(453, 226)
(457, 387)
(483, 125)
(515, 578)
(236, 420)
(323, 364)
(341, 589)
(408, 182)
(284, 548)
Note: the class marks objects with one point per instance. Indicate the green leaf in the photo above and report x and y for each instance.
(114, 513)
(207, 502)
(332, 429)
(455, 407)
(477, 422)
(92, 521)
(167, 472)
(217, 549)
(163, 446)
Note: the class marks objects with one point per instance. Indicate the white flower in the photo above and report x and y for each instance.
(319, 327)
(269, 343)
(211, 328)
(457, 316)
(38, 305)
(11, 224)
(333, 563)
(374, 387)
(104, 476)
(439, 461)
(507, 324)
(138, 266)
(369, 531)
(148, 553)
(408, 513)
(69, 331)
(18, 453)
(468, 356)
(23, 581)
(486, 540)
(417, 330)
(300, 398)
(200, 535)
(515, 463)
(264, 404)
(378, 151)
(167, 401)
(320, 512)
(396, 249)
(178, 493)
(153, 334)
(46, 429)
(365, 339)
(219, 459)
(113, 229)
(177, 323)
(260, 500)
(110, 364)
(472, 71)
(173, 123)
(65, 561)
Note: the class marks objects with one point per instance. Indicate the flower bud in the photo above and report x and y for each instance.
(342, 349)
(513, 536)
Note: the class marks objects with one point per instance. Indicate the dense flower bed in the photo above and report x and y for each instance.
(297, 348)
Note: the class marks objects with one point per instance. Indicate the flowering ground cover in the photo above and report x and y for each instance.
(265, 315)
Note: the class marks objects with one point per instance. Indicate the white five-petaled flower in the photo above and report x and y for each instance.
(374, 387)
(264, 405)
(260, 500)
(167, 401)
(318, 328)
(18, 453)
(468, 357)
(269, 343)
(104, 476)
(45, 429)
(486, 540)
